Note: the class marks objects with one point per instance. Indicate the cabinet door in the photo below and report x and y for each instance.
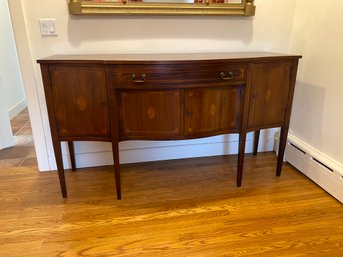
(212, 110)
(269, 94)
(80, 101)
(150, 114)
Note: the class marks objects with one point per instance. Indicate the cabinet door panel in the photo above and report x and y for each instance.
(150, 114)
(80, 101)
(269, 94)
(212, 110)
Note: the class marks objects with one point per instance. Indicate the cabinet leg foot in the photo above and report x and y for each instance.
(117, 177)
(60, 168)
(282, 146)
(115, 150)
(62, 183)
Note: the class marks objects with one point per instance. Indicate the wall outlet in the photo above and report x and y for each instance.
(48, 27)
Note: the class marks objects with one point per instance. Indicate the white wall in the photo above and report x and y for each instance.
(269, 30)
(317, 110)
(6, 137)
(14, 99)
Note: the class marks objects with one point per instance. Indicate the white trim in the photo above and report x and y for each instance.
(99, 154)
(16, 109)
(320, 168)
(26, 63)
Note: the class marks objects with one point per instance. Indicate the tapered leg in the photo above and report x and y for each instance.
(256, 139)
(282, 146)
(59, 163)
(241, 151)
(115, 150)
(72, 154)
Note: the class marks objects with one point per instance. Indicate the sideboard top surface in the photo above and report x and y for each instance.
(172, 57)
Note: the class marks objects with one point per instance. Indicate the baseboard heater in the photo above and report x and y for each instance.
(321, 169)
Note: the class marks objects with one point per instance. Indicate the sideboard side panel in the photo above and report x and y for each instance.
(79, 98)
(271, 84)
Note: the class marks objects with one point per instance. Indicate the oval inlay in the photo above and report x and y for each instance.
(151, 113)
(81, 103)
(212, 110)
(268, 95)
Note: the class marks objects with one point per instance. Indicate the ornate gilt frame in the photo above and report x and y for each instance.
(80, 7)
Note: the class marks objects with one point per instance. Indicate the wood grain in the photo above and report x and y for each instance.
(172, 208)
(212, 110)
(79, 98)
(150, 114)
(167, 99)
(269, 94)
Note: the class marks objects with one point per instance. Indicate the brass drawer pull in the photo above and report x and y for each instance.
(134, 80)
(224, 77)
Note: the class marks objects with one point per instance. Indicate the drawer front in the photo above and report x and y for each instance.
(177, 76)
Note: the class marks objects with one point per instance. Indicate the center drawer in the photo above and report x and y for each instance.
(178, 76)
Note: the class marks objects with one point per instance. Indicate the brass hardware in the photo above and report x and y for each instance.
(83, 7)
(134, 80)
(224, 77)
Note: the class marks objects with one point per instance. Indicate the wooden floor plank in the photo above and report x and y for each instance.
(171, 208)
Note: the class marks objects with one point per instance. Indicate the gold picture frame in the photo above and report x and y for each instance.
(202, 7)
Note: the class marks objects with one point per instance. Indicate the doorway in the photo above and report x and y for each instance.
(16, 142)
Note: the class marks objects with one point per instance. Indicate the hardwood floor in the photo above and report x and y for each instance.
(171, 208)
(22, 154)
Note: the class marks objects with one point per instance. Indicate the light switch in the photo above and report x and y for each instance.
(48, 27)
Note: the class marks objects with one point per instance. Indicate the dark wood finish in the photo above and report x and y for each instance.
(285, 72)
(150, 114)
(114, 120)
(269, 94)
(243, 131)
(123, 97)
(79, 98)
(54, 128)
(177, 76)
(287, 117)
(240, 162)
(256, 139)
(72, 155)
(115, 151)
(213, 110)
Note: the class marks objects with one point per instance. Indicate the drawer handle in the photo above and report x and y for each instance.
(228, 77)
(134, 80)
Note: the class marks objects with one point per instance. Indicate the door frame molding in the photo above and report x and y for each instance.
(26, 63)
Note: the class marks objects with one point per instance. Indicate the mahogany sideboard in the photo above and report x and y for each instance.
(166, 97)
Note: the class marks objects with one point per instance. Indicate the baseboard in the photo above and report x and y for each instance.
(99, 154)
(16, 109)
(320, 168)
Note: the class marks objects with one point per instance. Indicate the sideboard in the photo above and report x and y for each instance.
(166, 97)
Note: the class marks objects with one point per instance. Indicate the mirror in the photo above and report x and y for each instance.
(162, 7)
